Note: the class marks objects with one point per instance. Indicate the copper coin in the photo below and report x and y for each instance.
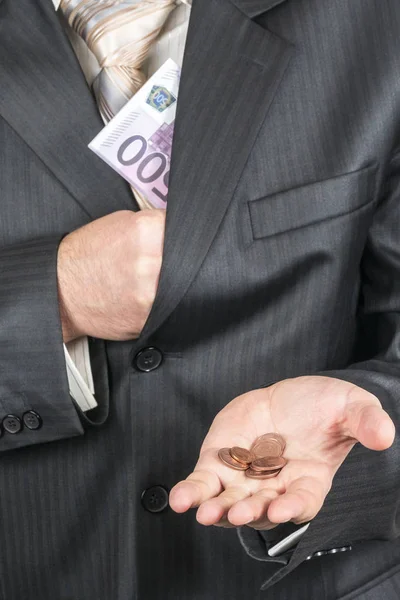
(270, 448)
(263, 438)
(241, 455)
(262, 474)
(278, 438)
(268, 464)
(271, 436)
(269, 444)
(225, 456)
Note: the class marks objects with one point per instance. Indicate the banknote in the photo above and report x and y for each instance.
(137, 142)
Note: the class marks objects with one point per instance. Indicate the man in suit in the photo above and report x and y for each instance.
(277, 308)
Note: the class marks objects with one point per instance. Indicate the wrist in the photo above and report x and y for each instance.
(69, 331)
(65, 282)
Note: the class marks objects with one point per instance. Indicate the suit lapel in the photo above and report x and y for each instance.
(231, 70)
(45, 98)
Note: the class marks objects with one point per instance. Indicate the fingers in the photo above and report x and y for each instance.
(205, 484)
(367, 422)
(253, 510)
(376, 430)
(266, 508)
(201, 485)
(301, 502)
(214, 510)
(237, 505)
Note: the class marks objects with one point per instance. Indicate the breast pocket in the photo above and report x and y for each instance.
(312, 203)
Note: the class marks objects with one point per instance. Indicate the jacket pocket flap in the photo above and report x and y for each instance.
(311, 203)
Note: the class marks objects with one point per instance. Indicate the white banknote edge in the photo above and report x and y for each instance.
(81, 392)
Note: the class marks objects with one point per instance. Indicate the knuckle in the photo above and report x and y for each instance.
(148, 225)
(146, 229)
(160, 216)
(141, 222)
(148, 269)
(144, 302)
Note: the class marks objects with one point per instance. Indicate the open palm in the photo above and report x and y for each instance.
(321, 419)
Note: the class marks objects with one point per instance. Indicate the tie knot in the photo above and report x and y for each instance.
(118, 32)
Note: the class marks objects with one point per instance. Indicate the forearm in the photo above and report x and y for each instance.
(33, 374)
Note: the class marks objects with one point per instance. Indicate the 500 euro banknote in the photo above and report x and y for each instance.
(137, 142)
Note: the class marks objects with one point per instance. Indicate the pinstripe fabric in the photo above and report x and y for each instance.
(247, 296)
(386, 587)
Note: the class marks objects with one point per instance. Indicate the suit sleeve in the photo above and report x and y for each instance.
(364, 502)
(32, 365)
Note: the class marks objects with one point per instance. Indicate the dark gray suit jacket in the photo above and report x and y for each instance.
(282, 258)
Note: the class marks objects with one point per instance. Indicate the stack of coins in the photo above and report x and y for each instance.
(264, 459)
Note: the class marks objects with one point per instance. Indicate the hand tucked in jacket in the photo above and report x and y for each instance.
(108, 274)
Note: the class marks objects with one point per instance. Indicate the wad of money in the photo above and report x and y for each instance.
(137, 142)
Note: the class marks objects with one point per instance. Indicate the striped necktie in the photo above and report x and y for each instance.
(120, 34)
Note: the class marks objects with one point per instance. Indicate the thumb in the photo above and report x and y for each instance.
(368, 423)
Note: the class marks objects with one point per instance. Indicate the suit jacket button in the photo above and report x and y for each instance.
(12, 424)
(148, 359)
(155, 499)
(32, 420)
